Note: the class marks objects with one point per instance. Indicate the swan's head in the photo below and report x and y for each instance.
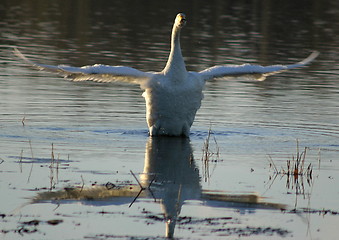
(180, 20)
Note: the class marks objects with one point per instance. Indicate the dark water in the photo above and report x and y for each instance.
(99, 133)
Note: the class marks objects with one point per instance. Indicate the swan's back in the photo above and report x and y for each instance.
(171, 106)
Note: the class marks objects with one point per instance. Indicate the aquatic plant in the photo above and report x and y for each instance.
(209, 155)
(54, 169)
(295, 171)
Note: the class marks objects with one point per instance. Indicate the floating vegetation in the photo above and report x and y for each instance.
(222, 226)
(321, 212)
(28, 227)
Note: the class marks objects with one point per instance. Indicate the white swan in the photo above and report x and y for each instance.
(173, 95)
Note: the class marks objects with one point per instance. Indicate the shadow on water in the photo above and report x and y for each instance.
(170, 177)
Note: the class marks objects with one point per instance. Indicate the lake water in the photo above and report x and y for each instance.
(97, 133)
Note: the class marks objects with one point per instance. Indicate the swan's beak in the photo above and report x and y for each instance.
(181, 19)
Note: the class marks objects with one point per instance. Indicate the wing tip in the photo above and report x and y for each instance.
(310, 58)
(22, 57)
(17, 53)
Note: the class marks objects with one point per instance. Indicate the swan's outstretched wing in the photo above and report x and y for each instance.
(97, 72)
(256, 71)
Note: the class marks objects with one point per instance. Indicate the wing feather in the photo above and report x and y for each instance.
(96, 73)
(257, 71)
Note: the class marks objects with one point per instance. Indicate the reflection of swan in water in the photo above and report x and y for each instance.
(177, 178)
(170, 162)
(173, 95)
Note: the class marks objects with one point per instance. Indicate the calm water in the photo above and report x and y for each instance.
(99, 132)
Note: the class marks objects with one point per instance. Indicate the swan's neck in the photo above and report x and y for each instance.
(175, 66)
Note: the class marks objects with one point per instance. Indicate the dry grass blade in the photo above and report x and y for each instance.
(30, 172)
(209, 156)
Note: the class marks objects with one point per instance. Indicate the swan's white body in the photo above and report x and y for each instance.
(173, 95)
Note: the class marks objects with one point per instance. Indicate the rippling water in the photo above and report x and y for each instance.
(99, 132)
